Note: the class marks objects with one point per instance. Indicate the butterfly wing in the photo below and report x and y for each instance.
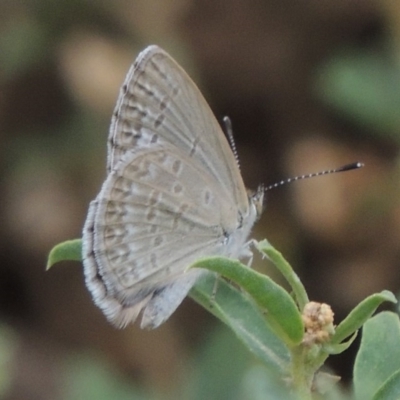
(159, 103)
(155, 215)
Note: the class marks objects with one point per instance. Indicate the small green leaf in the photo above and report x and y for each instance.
(281, 311)
(390, 390)
(361, 313)
(379, 355)
(286, 270)
(71, 250)
(340, 347)
(241, 314)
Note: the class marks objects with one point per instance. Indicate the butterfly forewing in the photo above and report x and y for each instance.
(159, 103)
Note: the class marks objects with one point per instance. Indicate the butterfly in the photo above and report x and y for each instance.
(173, 193)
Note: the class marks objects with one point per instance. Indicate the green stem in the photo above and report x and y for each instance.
(301, 375)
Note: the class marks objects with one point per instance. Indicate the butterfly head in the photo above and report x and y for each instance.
(257, 201)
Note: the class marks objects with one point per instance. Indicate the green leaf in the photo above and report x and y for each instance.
(225, 370)
(242, 315)
(259, 384)
(390, 390)
(379, 355)
(286, 270)
(281, 311)
(360, 314)
(340, 347)
(210, 378)
(71, 250)
(365, 86)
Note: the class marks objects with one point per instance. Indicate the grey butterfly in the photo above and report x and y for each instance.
(173, 194)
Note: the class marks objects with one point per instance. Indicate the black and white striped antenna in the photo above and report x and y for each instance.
(229, 134)
(347, 167)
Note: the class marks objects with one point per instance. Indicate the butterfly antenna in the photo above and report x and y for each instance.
(347, 167)
(229, 133)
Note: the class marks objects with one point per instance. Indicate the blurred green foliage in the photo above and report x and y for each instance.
(364, 86)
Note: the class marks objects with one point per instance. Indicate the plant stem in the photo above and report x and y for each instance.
(301, 375)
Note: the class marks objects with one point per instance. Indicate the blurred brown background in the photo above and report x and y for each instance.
(309, 85)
